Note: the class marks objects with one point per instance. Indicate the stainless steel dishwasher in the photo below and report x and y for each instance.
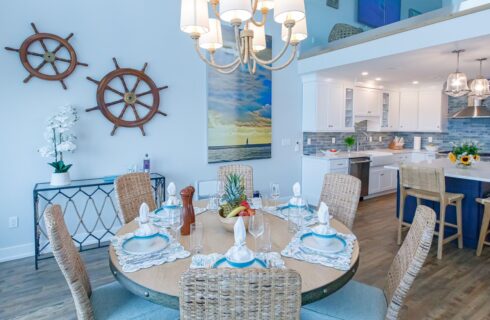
(359, 168)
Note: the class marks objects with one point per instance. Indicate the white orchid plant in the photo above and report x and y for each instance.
(59, 138)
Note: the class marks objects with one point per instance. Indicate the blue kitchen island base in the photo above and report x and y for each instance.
(472, 211)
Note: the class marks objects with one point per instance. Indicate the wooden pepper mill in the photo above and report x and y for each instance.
(189, 217)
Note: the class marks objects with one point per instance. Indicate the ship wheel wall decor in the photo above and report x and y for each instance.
(131, 97)
(51, 57)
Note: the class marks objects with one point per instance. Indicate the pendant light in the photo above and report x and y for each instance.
(479, 86)
(457, 83)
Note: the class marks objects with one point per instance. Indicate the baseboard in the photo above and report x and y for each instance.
(374, 195)
(17, 252)
(27, 250)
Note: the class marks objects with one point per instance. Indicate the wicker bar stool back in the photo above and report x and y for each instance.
(409, 260)
(341, 193)
(428, 183)
(240, 294)
(246, 172)
(69, 260)
(132, 190)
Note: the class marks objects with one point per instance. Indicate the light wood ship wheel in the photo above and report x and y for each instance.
(48, 56)
(129, 98)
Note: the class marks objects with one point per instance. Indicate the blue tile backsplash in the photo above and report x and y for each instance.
(458, 129)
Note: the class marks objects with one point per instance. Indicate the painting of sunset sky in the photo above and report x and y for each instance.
(239, 108)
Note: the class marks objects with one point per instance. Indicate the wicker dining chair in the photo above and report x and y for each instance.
(246, 172)
(110, 301)
(341, 193)
(357, 301)
(132, 190)
(230, 294)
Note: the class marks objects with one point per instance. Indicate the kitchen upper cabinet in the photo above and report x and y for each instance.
(367, 102)
(324, 106)
(432, 113)
(409, 111)
(390, 111)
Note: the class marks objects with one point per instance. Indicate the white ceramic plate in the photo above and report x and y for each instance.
(223, 263)
(145, 245)
(311, 245)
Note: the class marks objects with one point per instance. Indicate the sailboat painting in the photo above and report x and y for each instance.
(239, 108)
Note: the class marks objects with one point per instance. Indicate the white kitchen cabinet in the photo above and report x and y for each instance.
(381, 180)
(432, 113)
(390, 111)
(367, 102)
(313, 172)
(324, 104)
(408, 116)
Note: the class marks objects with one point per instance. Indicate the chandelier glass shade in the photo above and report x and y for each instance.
(480, 87)
(457, 82)
(250, 37)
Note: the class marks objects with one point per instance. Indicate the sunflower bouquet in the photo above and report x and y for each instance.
(465, 153)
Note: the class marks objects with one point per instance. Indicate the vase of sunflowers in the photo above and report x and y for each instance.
(464, 154)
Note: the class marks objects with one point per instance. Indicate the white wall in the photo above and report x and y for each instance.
(321, 19)
(419, 5)
(135, 32)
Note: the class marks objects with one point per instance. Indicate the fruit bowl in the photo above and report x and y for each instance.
(229, 223)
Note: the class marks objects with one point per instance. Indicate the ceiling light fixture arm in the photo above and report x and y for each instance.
(212, 63)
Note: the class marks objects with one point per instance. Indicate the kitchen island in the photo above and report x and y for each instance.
(473, 182)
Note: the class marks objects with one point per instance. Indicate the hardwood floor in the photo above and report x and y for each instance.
(458, 287)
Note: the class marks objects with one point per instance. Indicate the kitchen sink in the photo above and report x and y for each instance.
(380, 158)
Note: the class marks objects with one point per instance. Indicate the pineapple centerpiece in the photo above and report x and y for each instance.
(235, 202)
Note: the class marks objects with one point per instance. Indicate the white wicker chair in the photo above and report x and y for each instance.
(110, 301)
(246, 172)
(341, 194)
(357, 301)
(132, 190)
(234, 294)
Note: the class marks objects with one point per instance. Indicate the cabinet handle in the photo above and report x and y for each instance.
(382, 174)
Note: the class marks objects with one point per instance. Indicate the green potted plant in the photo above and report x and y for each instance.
(234, 202)
(350, 141)
(60, 140)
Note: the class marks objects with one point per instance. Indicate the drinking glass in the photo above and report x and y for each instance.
(197, 238)
(264, 241)
(256, 226)
(275, 192)
(176, 220)
(296, 215)
(220, 191)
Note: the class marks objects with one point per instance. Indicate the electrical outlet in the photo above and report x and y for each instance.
(308, 141)
(296, 146)
(380, 139)
(370, 139)
(13, 222)
(333, 140)
(429, 139)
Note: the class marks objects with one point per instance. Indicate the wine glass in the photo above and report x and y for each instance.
(275, 191)
(256, 226)
(176, 220)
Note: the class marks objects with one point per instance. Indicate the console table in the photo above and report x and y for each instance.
(89, 208)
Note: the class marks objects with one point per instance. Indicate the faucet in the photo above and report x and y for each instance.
(358, 140)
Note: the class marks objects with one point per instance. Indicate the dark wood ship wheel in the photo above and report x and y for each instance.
(128, 97)
(48, 56)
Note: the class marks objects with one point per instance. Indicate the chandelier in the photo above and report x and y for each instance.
(479, 86)
(249, 32)
(457, 82)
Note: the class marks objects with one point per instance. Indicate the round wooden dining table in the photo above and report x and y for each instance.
(160, 284)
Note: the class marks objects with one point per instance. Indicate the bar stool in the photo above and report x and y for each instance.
(429, 183)
(484, 226)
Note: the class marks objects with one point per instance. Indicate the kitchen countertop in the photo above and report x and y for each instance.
(479, 171)
(364, 153)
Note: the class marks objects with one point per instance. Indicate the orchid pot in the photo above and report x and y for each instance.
(60, 179)
(60, 140)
